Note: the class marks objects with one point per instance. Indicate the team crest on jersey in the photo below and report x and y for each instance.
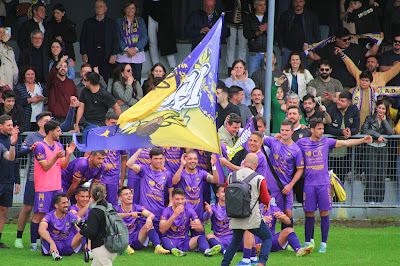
(188, 188)
(289, 153)
(198, 179)
(39, 156)
(276, 156)
(300, 136)
(152, 183)
(308, 153)
(320, 144)
(163, 177)
(351, 120)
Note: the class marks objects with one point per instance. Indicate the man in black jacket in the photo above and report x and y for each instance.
(255, 31)
(35, 23)
(99, 40)
(14, 110)
(296, 27)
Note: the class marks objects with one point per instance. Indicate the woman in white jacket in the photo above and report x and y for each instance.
(8, 67)
(297, 76)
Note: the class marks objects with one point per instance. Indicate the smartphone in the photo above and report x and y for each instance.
(8, 31)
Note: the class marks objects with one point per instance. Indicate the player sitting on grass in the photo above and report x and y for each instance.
(139, 234)
(175, 223)
(271, 214)
(59, 235)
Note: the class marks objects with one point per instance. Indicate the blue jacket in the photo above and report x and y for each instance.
(142, 38)
(9, 173)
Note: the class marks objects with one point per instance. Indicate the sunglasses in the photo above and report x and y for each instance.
(346, 40)
(324, 69)
(128, 70)
(396, 41)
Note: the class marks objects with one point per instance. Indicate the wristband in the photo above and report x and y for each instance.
(379, 42)
(343, 56)
(12, 145)
(214, 167)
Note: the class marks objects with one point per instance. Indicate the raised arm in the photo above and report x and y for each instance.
(131, 162)
(177, 176)
(353, 142)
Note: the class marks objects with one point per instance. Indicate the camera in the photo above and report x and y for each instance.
(81, 223)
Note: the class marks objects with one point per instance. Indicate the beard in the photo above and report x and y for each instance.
(324, 75)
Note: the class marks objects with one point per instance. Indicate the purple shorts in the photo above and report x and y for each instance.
(134, 184)
(180, 243)
(314, 196)
(135, 242)
(112, 192)
(64, 247)
(44, 201)
(275, 243)
(279, 200)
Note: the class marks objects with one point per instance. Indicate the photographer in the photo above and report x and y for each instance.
(95, 229)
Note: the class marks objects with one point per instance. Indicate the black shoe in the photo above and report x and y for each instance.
(4, 246)
(86, 255)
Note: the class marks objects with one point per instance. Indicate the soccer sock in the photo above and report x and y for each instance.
(324, 228)
(203, 244)
(308, 228)
(19, 234)
(253, 255)
(294, 241)
(153, 237)
(246, 255)
(34, 232)
(167, 243)
(213, 242)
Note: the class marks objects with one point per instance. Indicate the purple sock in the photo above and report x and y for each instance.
(309, 228)
(154, 238)
(324, 228)
(34, 232)
(246, 253)
(294, 241)
(203, 244)
(213, 242)
(253, 252)
(167, 243)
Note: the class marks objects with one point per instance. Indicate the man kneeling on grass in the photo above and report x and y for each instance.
(175, 223)
(59, 235)
(139, 234)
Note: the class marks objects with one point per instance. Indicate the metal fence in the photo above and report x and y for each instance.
(370, 174)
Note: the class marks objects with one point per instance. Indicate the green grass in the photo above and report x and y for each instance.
(346, 246)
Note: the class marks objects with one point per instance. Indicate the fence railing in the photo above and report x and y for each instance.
(370, 174)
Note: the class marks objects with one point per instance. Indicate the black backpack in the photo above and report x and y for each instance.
(238, 196)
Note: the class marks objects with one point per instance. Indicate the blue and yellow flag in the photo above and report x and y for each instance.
(180, 111)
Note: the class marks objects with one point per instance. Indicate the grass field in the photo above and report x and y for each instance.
(346, 246)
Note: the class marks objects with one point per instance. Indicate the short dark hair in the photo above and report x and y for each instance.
(4, 118)
(342, 32)
(8, 94)
(346, 95)
(22, 72)
(51, 125)
(42, 114)
(237, 62)
(82, 189)
(258, 118)
(93, 78)
(94, 153)
(57, 197)
(36, 6)
(324, 62)
(371, 56)
(178, 191)
(294, 107)
(258, 134)
(234, 118)
(220, 84)
(122, 189)
(287, 122)
(262, 92)
(366, 75)
(192, 152)
(86, 65)
(155, 152)
(112, 115)
(315, 121)
(234, 90)
(308, 96)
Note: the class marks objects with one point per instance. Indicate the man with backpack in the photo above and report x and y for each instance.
(252, 189)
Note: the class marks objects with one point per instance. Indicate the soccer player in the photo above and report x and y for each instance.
(271, 214)
(50, 157)
(81, 170)
(81, 207)
(285, 156)
(153, 181)
(139, 233)
(134, 179)
(317, 185)
(114, 161)
(175, 223)
(29, 194)
(172, 158)
(219, 221)
(59, 235)
(191, 179)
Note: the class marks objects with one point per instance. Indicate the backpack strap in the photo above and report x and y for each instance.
(258, 200)
(233, 177)
(250, 177)
(100, 207)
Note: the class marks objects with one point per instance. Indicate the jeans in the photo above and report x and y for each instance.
(285, 57)
(262, 232)
(255, 61)
(231, 44)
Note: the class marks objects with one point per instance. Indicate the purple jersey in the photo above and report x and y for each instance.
(131, 223)
(173, 158)
(220, 221)
(181, 225)
(223, 172)
(40, 152)
(143, 158)
(152, 185)
(60, 229)
(74, 209)
(284, 158)
(316, 160)
(81, 170)
(192, 184)
(272, 209)
(204, 159)
(113, 163)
